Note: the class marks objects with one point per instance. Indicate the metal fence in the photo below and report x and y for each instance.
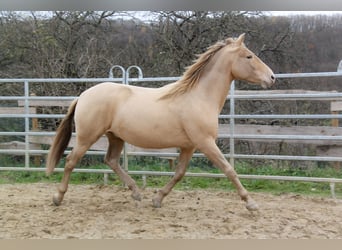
(126, 78)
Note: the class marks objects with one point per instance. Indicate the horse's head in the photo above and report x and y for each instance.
(247, 66)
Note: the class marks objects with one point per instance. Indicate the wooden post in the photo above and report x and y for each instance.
(35, 127)
(335, 111)
(172, 163)
(335, 107)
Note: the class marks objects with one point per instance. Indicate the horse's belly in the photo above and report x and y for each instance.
(154, 138)
(152, 133)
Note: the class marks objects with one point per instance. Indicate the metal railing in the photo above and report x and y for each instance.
(232, 136)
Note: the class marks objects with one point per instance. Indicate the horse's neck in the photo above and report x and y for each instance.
(214, 86)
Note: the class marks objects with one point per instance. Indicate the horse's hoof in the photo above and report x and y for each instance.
(252, 206)
(56, 200)
(156, 203)
(136, 196)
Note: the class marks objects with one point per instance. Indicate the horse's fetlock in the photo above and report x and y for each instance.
(136, 196)
(251, 205)
(57, 198)
(156, 202)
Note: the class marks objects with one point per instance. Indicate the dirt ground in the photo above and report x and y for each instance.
(103, 212)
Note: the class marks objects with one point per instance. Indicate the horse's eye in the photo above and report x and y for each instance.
(249, 57)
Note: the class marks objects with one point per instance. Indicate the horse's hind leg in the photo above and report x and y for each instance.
(112, 159)
(71, 161)
(184, 158)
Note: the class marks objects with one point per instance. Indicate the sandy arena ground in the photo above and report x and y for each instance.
(101, 212)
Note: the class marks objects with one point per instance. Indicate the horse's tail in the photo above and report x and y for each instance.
(61, 139)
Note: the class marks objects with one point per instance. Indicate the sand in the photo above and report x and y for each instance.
(108, 212)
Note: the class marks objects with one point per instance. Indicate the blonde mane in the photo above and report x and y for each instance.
(194, 72)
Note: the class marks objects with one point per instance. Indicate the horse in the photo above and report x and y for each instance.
(183, 114)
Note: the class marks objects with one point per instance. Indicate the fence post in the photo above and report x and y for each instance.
(232, 123)
(335, 122)
(27, 123)
(35, 127)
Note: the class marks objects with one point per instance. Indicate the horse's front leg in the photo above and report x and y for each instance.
(210, 149)
(184, 158)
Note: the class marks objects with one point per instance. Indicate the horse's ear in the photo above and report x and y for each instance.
(241, 39)
(237, 41)
(229, 40)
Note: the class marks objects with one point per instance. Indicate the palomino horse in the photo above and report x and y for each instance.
(183, 114)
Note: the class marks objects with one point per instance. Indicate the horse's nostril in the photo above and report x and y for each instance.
(272, 77)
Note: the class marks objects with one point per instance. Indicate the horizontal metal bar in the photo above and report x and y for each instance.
(187, 174)
(196, 155)
(286, 157)
(244, 156)
(220, 136)
(161, 154)
(38, 98)
(51, 98)
(291, 178)
(287, 96)
(31, 116)
(35, 152)
(289, 137)
(27, 133)
(12, 98)
(281, 137)
(76, 170)
(335, 96)
(305, 75)
(95, 152)
(58, 80)
(299, 116)
(154, 79)
(242, 176)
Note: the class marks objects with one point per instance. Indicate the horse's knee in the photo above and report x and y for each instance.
(111, 161)
(178, 176)
(108, 161)
(70, 162)
(230, 172)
